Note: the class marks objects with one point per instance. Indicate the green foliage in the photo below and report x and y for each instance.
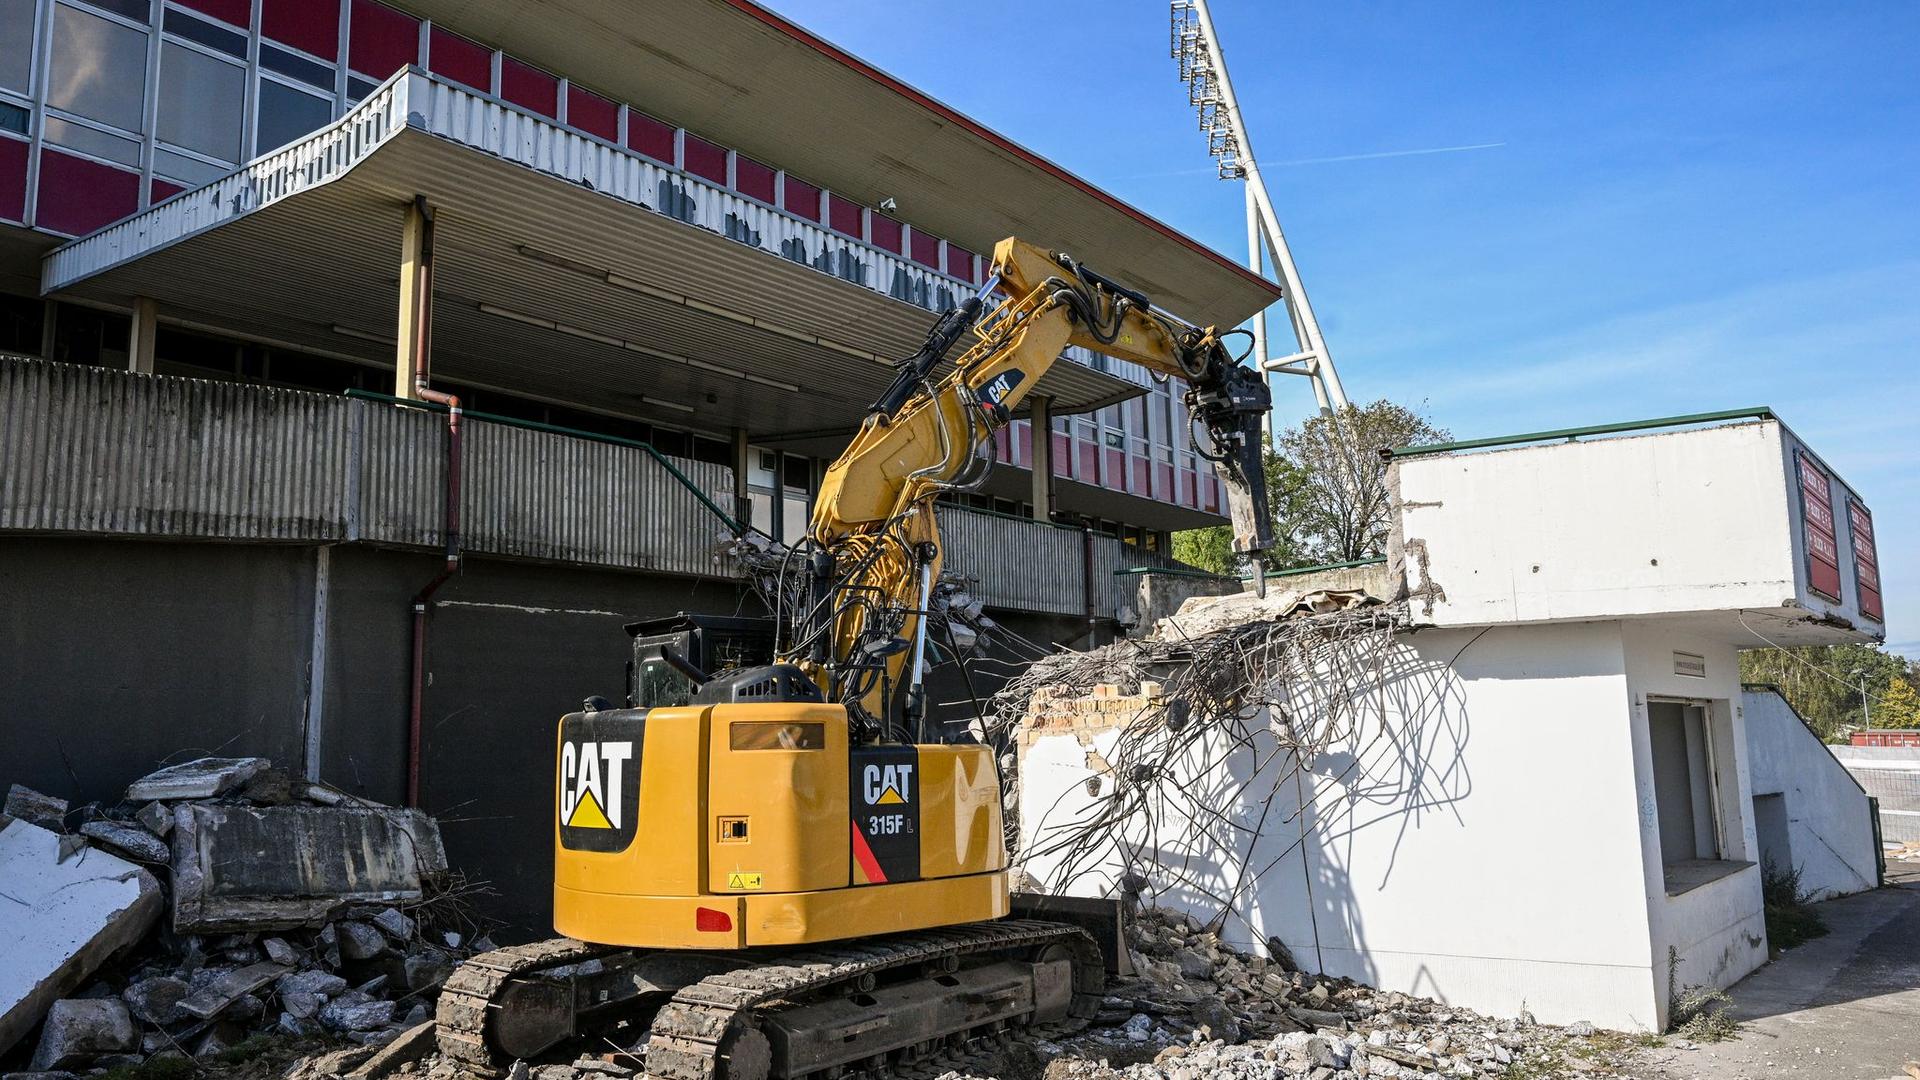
(1899, 706)
(1791, 920)
(1824, 682)
(1699, 1013)
(1208, 549)
(1326, 490)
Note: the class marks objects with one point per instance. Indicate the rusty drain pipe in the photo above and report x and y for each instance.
(450, 527)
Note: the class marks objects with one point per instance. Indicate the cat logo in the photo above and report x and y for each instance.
(887, 785)
(591, 778)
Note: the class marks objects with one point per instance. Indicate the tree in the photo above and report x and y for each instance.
(1212, 548)
(1326, 490)
(1899, 706)
(1345, 513)
(1824, 682)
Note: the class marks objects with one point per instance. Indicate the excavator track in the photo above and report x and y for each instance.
(707, 1030)
(470, 995)
(699, 1034)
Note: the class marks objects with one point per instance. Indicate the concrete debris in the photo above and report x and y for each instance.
(297, 910)
(1218, 1014)
(127, 841)
(67, 917)
(157, 818)
(409, 1046)
(347, 1014)
(157, 1000)
(201, 779)
(224, 990)
(43, 810)
(78, 1031)
(331, 857)
(359, 941)
(395, 924)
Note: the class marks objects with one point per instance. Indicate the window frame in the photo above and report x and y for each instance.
(159, 76)
(262, 75)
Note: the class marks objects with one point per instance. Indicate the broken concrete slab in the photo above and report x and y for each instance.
(127, 841)
(156, 817)
(411, 1045)
(79, 1030)
(63, 919)
(43, 810)
(201, 779)
(346, 1015)
(360, 941)
(325, 984)
(224, 991)
(395, 924)
(323, 858)
(156, 1000)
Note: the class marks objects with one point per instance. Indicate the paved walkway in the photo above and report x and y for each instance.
(1842, 1007)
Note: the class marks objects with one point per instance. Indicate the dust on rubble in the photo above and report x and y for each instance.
(226, 919)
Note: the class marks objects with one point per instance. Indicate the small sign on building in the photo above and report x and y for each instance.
(1866, 560)
(1690, 664)
(1816, 515)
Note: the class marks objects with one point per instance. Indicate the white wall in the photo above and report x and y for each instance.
(1829, 831)
(1476, 838)
(1689, 521)
(1717, 931)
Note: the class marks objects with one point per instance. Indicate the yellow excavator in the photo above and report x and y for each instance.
(774, 875)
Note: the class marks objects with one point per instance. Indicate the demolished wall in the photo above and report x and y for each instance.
(1446, 813)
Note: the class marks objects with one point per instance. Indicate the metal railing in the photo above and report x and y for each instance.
(1576, 433)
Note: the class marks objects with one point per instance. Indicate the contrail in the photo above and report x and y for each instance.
(1389, 154)
(1329, 160)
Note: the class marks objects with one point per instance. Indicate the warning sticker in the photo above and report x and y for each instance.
(740, 879)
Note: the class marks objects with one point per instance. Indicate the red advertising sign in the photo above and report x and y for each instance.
(1866, 560)
(1816, 516)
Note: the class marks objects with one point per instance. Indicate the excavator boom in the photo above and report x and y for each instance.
(873, 535)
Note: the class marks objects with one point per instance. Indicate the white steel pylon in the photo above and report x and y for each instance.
(1203, 67)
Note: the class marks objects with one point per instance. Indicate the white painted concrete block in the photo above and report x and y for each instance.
(59, 921)
(1705, 522)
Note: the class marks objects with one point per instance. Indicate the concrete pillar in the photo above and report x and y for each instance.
(742, 494)
(1042, 432)
(416, 310)
(49, 321)
(140, 331)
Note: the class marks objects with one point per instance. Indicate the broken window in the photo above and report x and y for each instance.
(1679, 736)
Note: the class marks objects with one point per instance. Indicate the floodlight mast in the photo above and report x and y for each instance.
(1203, 67)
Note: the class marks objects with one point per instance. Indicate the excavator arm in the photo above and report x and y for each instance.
(874, 544)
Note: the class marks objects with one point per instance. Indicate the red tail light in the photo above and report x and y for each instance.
(708, 921)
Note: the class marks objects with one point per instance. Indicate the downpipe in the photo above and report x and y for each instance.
(450, 525)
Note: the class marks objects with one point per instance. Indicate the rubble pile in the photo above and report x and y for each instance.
(1201, 1010)
(221, 899)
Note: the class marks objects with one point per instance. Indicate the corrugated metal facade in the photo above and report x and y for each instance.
(90, 450)
(94, 450)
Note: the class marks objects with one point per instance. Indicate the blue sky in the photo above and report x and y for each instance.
(1690, 207)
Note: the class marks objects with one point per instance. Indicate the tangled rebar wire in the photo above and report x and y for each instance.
(1211, 756)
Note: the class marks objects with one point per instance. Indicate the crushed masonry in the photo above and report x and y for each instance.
(295, 909)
